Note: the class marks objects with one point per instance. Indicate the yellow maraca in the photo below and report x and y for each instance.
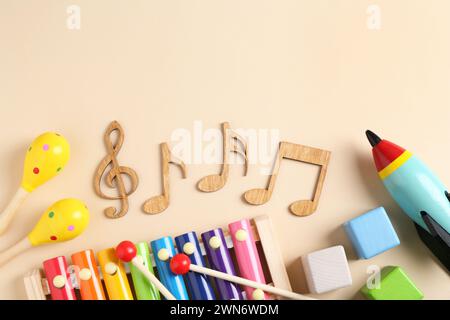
(63, 221)
(46, 157)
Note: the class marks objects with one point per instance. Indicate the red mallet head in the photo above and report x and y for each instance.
(180, 264)
(126, 251)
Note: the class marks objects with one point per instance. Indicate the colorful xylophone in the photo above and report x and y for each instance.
(249, 246)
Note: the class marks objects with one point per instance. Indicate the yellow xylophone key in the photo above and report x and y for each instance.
(114, 275)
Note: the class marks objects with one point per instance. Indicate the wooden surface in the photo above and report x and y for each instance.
(310, 69)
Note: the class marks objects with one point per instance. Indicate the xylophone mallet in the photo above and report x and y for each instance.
(126, 251)
(46, 157)
(181, 264)
(63, 221)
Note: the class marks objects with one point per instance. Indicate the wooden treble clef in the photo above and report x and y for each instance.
(114, 178)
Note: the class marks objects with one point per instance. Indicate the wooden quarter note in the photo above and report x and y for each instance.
(114, 177)
(295, 152)
(231, 140)
(158, 204)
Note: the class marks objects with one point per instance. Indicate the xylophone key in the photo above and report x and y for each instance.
(199, 284)
(91, 287)
(142, 286)
(247, 257)
(114, 275)
(58, 277)
(163, 250)
(219, 259)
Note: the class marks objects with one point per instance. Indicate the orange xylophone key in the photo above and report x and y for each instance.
(91, 287)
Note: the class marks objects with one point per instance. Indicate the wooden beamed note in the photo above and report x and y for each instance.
(158, 204)
(232, 142)
(300, 153)
(114, 177)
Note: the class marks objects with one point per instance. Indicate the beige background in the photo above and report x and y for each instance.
(311, 69)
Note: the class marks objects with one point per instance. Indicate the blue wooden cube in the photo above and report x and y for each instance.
(372, 233)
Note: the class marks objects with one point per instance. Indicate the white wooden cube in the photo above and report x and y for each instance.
(327, 270)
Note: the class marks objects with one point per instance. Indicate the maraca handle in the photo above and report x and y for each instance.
(8, 214)
(18, 248)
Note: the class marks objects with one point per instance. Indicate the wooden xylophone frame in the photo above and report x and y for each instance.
(38, 287)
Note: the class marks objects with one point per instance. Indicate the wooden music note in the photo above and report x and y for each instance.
(158, 204)
(215, 182)
(113, 178)
(301, 153)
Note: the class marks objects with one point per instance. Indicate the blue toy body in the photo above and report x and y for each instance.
(415, 188)
(420, 194)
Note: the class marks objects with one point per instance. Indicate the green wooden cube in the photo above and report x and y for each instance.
(394, 285)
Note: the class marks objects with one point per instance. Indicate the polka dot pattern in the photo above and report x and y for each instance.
(53, 238)
(71, 228)
(47, 155)
(51, 214)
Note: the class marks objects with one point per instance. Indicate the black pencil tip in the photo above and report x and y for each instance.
(373, 138)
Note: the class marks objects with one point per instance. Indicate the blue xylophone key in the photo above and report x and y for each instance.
(164, 250)
(199, 285)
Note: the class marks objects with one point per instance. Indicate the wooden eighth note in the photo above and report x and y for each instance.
(158, 204)
(300, 153)
(231, 140)
(114, 178)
